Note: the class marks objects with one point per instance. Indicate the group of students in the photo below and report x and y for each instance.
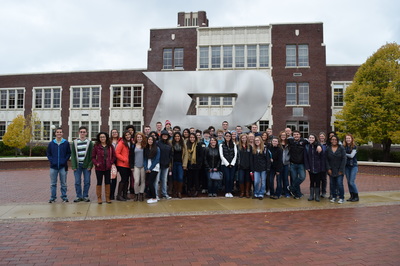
(157, 164)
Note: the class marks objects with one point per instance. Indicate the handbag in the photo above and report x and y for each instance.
(113, 171)
(216, 175)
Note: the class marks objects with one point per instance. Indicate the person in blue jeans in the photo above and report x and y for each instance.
(351, 167)
(228, 154)
(261, 165)
(81, 160)
(58, 153)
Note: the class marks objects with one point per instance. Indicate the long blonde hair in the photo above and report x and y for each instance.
(262, 145)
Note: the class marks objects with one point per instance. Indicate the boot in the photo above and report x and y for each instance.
(248, 184)
(141, 197)
(355, 197)
(179, 192)
(175, 189)
(317, 190)
(351, 197)
(311, 194)
(107, 191)
(98, 193)
(125, 191)
(136, 198)
(241, 190)
(120, 188)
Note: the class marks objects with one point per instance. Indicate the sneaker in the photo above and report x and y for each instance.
(157, 198)
(268, 193)
(296, 197)
(167, 197)
(323, 195)
(52, 200)
(261, 198)
(290, 191)
(214, 195)
(227, 195)
(86, 199)
(204, 191)
(230, 195)
(151, 201)
(65, 200)
(333, 200)
(210, 194)
(341, 201)
(77, 200)
(287, 196)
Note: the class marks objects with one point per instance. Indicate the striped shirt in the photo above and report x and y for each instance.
(81, 148)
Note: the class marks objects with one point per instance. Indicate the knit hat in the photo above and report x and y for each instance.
(167, 122)
(164, 132)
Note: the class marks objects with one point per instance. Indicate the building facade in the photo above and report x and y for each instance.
(217, 70)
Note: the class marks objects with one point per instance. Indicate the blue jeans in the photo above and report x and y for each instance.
(177, 172)
(272, 190)
(337, 183)
(229, 175)
(351, 173)
(54, 173)
(260, 179)
(163, 177)
(284, 177)
(212, 184)
(78, 181)
(298, 174)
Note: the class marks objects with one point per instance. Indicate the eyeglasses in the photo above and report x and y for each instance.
(82, 131)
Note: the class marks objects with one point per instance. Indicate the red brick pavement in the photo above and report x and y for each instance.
(351, 236)
(33, 185)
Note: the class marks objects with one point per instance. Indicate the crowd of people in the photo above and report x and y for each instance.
(169, 161)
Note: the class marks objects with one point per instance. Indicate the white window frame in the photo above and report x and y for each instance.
(297, 55)
(167, 58)
(43, 98)
(5, 100)
(91, 99)
(133, 89)
(297, 94)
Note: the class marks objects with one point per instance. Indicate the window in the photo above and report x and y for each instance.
(85, 97)
(291, 96)
(294, 89)
(215, 100)
(203, 57)
(301, 126)
(2, 129)
(167, 59)
(264, 55)
(338, 93)
(239, 56)
(251, 55)
(178, 58)
(215, 57)
(92, 126)
(46, 98)
(227, 56)
(303, 55)
(44, 131)
(11, 98)
(297, 55)
(264, 124)
(303, 94)
(227, 100)
(120, 126)
(127, 96)
(219, 100)
(203, 100)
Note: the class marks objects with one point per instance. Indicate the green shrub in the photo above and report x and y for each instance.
(36, 151)
(6, 150)
(395, 156)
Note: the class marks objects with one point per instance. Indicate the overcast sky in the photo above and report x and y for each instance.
(71, 35)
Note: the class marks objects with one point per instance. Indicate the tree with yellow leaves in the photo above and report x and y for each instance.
(372, 102)
(17, 134)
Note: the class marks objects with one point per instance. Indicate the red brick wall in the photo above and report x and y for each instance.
(315, 75)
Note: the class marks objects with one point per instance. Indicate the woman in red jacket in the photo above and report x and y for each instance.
(103, 156)
(122, 154)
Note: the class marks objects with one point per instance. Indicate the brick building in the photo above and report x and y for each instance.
(306, 91)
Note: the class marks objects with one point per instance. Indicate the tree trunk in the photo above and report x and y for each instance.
(386, 143)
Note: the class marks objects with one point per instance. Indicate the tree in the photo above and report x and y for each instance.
(372, 102)
(34, 127)
(17, 134)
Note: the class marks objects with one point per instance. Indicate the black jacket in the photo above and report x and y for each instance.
(336, 161)
(211, 158)
(296, 150)
(165, 154)
(277, 158)
(245, 158)
(261, 161)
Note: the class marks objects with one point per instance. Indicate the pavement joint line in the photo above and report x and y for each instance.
(198, 213)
